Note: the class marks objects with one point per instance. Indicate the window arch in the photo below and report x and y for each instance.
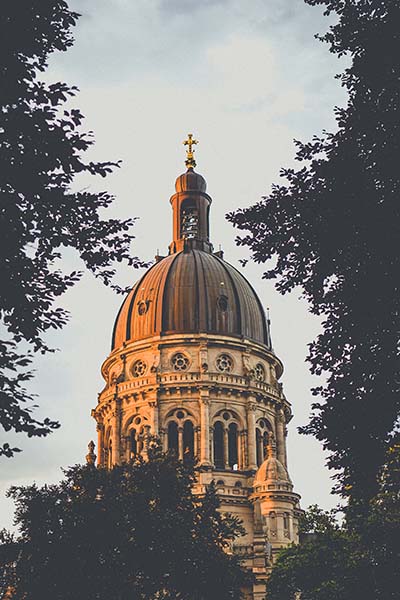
(233, 454)
(263, 432)
(133, 444)
(259, 449)
(188, 440)
(265, 441)
(189, 220)
(219, 459)
(173, 444)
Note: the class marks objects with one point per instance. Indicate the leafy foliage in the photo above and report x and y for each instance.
(133, 532)
(323, 567)
(335, 561)
(41, 151)
(333, 229)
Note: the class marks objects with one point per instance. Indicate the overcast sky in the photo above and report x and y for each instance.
(246, 77)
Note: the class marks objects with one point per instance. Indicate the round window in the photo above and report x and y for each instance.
(139, 368)
(180, 362)
(259, 372)
(142, 307)
(224, 363)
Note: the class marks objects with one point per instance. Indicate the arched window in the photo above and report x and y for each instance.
(173, 436)
(133, 445)
(233, 445)
(188, 440)
(219, 461)
(286, 522)
(189, 221)
(265, 444)
(259, 447)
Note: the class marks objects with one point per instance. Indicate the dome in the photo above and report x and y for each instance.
(190, 181)
(191, 291)
(271, 470)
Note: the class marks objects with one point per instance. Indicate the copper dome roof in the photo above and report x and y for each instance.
(271, 470)
(191, 291)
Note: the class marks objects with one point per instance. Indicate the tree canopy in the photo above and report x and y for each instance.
(332, 228)
(42, 147)
(335, 561)
(132, 532)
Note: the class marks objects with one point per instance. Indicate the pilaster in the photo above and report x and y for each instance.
(204, 428)
(116, 432)
(251, 435)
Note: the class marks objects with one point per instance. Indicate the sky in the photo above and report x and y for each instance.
(246, 77)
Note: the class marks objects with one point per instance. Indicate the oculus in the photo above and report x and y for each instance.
(139, 368)
(180, 362)
(142, 307)
(224, 363)
(259, 372)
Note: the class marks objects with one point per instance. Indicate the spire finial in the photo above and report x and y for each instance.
(190, 142)
(90, 456)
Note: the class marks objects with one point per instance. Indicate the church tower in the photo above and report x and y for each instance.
(192, 362)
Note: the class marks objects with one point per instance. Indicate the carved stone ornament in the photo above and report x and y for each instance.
(247, 370)
(224, 363)
(139, 368)
(259, 372)
(204, 359)
(156, 363)
(180, 362)
(90, 456)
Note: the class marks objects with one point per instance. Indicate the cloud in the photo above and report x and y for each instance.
(184, 7)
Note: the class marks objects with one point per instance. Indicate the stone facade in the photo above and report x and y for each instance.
(214, 395)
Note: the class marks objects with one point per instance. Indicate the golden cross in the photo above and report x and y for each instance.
(190, 142)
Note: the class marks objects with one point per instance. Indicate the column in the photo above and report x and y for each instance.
(280, 437)
(196, 442)
(204, 428)
(164, 439)
(116, 431)
(180, 443)
(226, 448)
(245, 455)
(240, 441)
(260, 447)
(100, 444)
(146, 439)
(127, 448)
(211, 445)
(154, 417)
(251, 436)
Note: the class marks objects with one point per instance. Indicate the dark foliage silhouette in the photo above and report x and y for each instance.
(333, 228)
(133, 532)
(41, 151)
(335, 561)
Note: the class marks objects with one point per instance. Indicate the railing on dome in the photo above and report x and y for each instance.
(204, 378)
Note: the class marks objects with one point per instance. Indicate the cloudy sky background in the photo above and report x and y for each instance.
(246, 77)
